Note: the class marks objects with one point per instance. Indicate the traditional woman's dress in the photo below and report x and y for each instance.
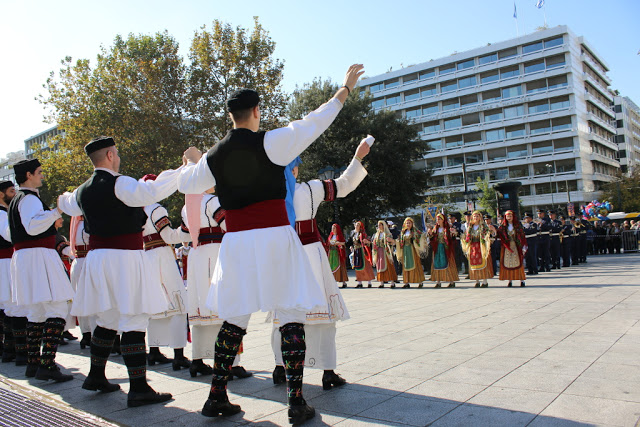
(412, 271)
(362, 259)
(443, 266)
(511, 265)
(383, 257)
(337, 260)
(477, 246)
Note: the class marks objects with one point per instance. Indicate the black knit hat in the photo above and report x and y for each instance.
(242, 99)
(98, 144)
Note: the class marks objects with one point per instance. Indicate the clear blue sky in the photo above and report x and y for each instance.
(315, 39)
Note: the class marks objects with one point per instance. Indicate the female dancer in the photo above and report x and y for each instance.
(362, 255)
(476, 244)
(514, 246)
(408, 245)
(383, 255)
(337, 255)
(443, 267)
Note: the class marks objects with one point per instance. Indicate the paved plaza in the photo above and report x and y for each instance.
(563, 351)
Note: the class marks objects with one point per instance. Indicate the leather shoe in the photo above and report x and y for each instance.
(158, 358)
(332, 380)
(52, 373)
(300, 413)
(31, 370)
(180, 362)
(8, 357)
(21, 359)
(212, 408)
(99, 384)
(199, 367)
(451, 285)
(240, 372)
(69, 336)
(148, 397)
(279, 376)
(406, 285)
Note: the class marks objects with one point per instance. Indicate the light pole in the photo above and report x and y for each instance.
(550, 166)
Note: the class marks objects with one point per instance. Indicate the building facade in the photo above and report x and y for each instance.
(628, 133)
(41, 141)
(6, 165)
(536, 109)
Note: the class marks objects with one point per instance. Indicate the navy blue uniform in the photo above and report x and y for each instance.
(531, 233)
(567, 243)
(556, 229)
(575, 250)
(544, 244)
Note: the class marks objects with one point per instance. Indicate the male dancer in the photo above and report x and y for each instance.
(7, 192)
(118, 284)
(261, 265)
(40, 283)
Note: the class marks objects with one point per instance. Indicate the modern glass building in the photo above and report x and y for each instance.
(537, 109)
(628, 135)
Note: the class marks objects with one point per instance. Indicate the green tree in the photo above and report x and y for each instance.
(392, 185)
(487, 199)
(224, 59)
(624, 192)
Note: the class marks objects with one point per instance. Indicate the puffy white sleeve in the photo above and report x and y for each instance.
(196, 178)
(35, 219)
(350, 178)
(69, 204)
(162, 224)
(4, 226)
(284, 144)
(134, 193)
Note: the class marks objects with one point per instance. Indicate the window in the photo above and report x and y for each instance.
(376, 87)
(540, 127)
(469, 100)
(561, 123)
(494, 135)
(519, 171)
(525, 190)
(435, 163)
(508, 72)
(466, 64)
(491, 76)
(555, 61)
(553, 42)
(448, 86)
(557, 82)
(475, 176)
(515, 132)
(391, 83)
(536, 86)
(472, 138)
(470, 119)
(476, 157)
(411, 95)
(435, 144)
(543, 188)
(542, 169)
(538, 107)
(533, 47)
(410, 78)
(564, 186)
(510, 92)
(455, 179)
(467, 82)
(487, 59)
(452, 123)
(455, 161)
(446, 69)
(428, 91)
(435, 181)
(391, 100)
(563, 144)
(450, 104)
(431, 127)
(496, 154)
(377, 103)
(541, 147)
(517, 151)
(508, 53)
(492, 115)
(498, 174)
(427, 74)
(414, 112)
(568, 165)
(560, 103)
(511, 112)
(534, 66)
(453, 141)
(429, 109)
(491, 95)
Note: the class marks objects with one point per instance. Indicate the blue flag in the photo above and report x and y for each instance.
(539, 4)
(424, 223)
(515, 12)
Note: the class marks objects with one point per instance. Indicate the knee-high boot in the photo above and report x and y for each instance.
(293, 353)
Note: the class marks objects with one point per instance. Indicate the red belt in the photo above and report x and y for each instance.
(129, 242)
(153, 241)
(308, 231)
(48, 242)
(6, 253)
(265, 214)
(210, 235)
(81, 251)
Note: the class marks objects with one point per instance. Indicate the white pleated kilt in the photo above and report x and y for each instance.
(5, 283)
(203, 344)
(202, 263)
(38, 276)
(172, 284)
(122, 280)
(263, 269)
(86, 323)
(320, 340)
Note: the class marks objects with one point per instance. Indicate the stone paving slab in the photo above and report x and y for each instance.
(562, 351)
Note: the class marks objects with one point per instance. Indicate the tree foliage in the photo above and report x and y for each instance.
(392, 185)
(624, 192)
(487, 199)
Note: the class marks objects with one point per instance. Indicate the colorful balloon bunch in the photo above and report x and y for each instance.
(596, 209)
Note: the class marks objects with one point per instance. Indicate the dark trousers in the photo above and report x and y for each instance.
(555, 251)
(544, 256)
(566, 251)
(531, 257)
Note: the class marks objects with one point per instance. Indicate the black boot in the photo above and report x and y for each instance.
(212, 408)
(101, 344)
(199, 367)
(298, 414)
(69, 336)
(86, 340)
(19, 326)
(294, 347)
(331, 379)
(522, 283)
(99, 384)
(52, 373)
(155, 356)
(51, 337)
(240, 372)
(279, 377)
(9, 347)
(179, 361)
(116, 345)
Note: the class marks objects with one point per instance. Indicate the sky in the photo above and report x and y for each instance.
(315, 39)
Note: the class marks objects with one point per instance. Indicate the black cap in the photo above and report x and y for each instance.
(561, 217)
(467, 213)
(98, 144)
(551, 211)
(242, 99)
(4, 185)
(24, 166)
(527, 215)
(541, 211)
(486, 216)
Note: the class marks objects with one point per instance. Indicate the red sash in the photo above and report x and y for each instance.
(210, 235)
(45, 242)
(81, 251)
(6, 253)
(128, 242)
(265, 214)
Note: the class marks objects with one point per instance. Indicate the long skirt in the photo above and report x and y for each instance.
(385, 271)
(511, 267)
(340, 269)
(444, 268)
(341, 273)
(365, 274)
(416, 274)
(479, 268)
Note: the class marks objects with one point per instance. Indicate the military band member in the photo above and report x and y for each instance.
(544, 241)
(554, 244)
(567, 241)
(575, 249)
(531, 234)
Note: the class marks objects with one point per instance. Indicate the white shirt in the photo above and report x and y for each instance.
(4, 226)
(171, 236)
(34, 218)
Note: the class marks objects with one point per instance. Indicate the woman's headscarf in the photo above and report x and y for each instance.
(386, 229)
(516, 221)
(339, 238)
(290, 182)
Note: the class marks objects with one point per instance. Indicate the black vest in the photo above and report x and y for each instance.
(243, 172)
(18, 233)
(104, 214)
(3, 243)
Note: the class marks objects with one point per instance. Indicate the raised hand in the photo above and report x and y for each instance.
(353, 74)
(363, 149)
(192, 154)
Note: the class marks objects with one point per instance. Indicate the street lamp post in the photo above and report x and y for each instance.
(550, 182)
